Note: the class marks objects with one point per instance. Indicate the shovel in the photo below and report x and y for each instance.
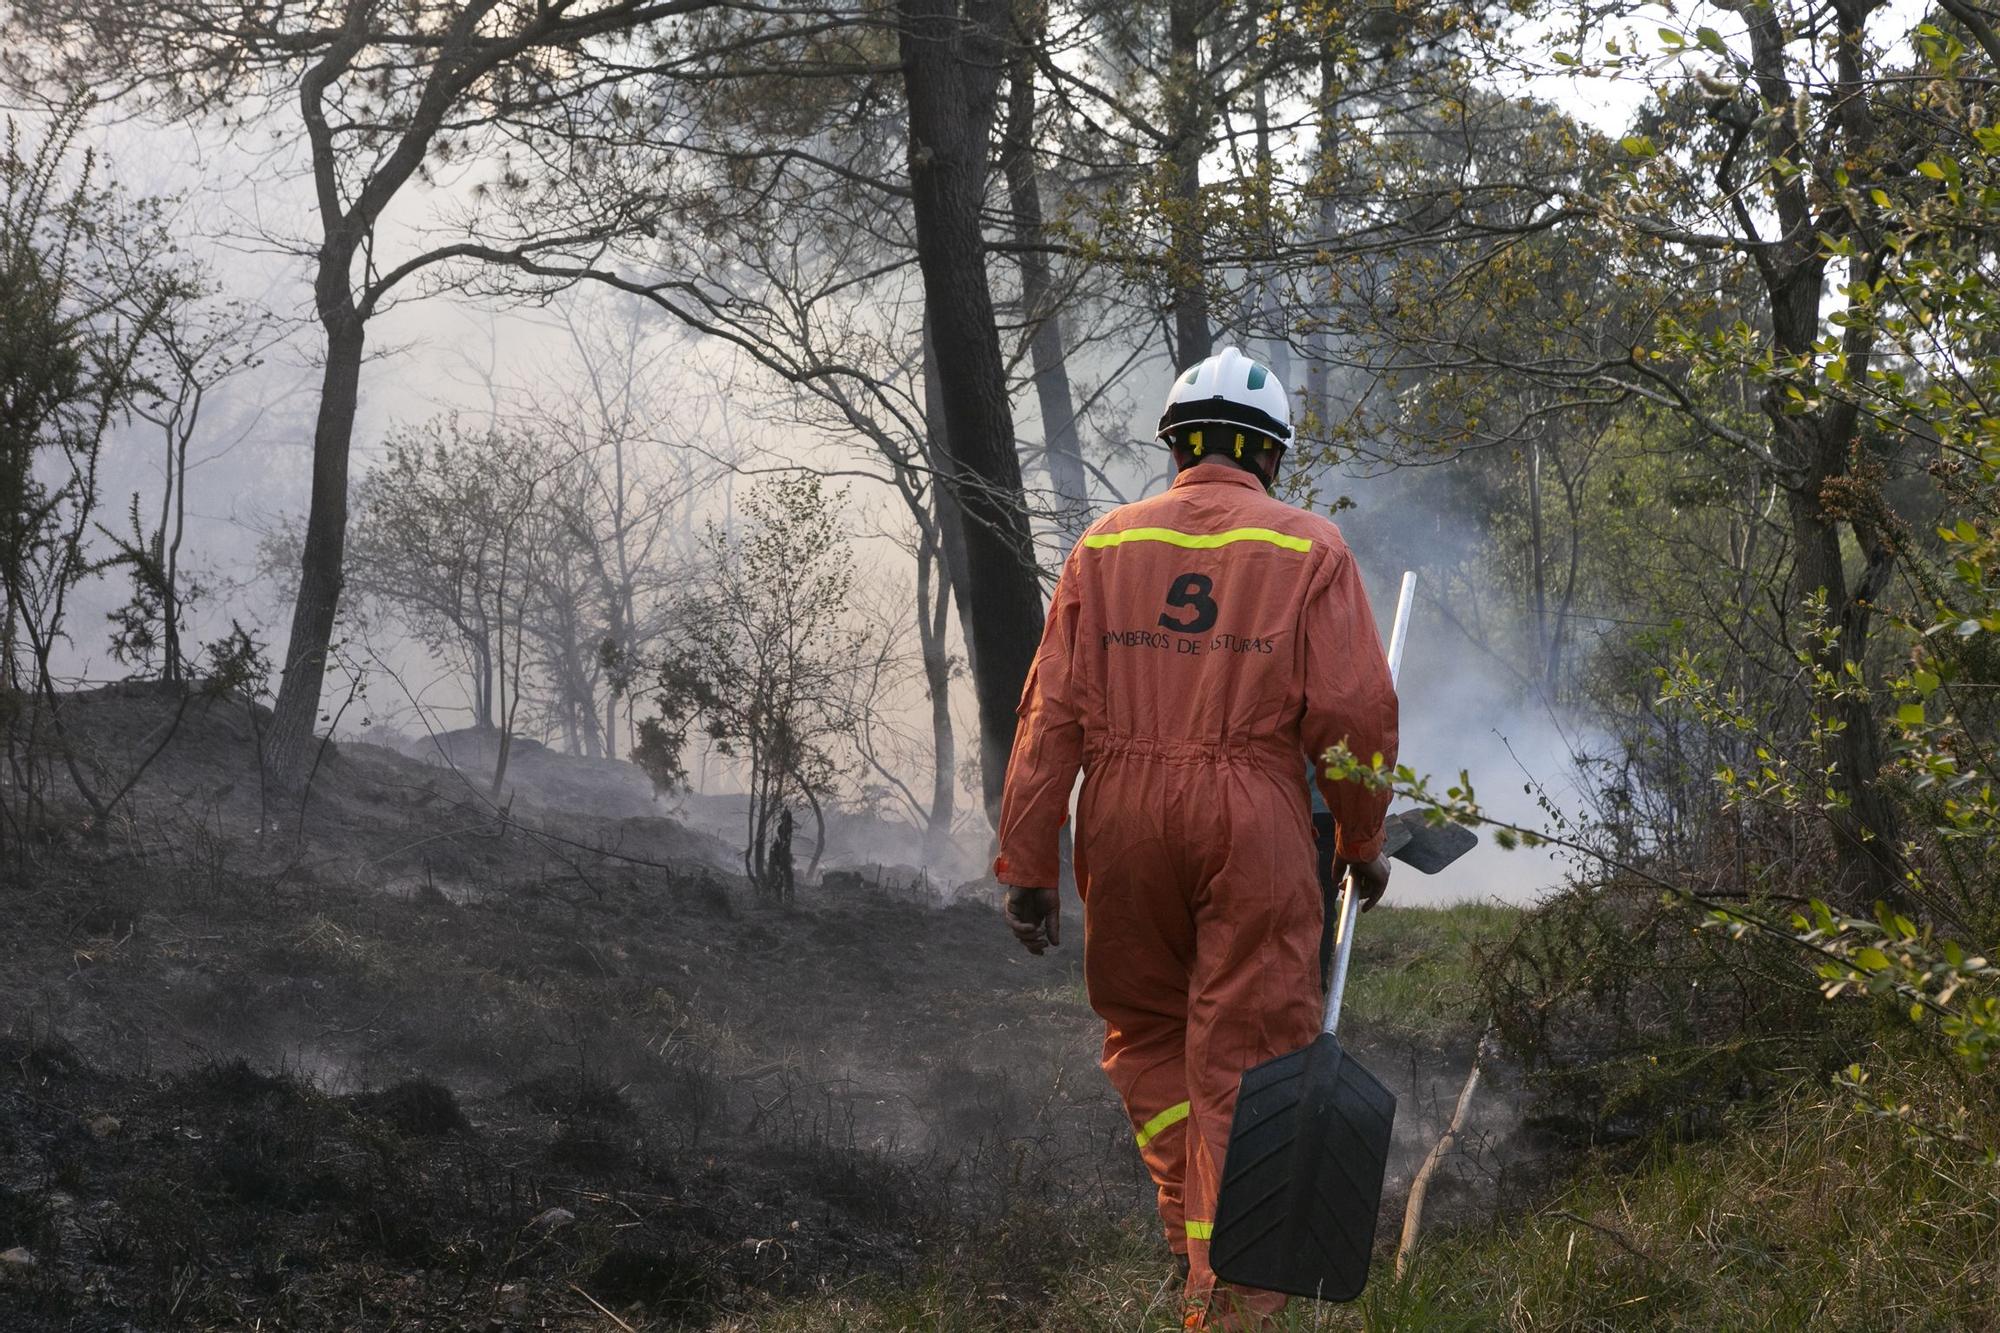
(1411, 838)
(1302, 1181)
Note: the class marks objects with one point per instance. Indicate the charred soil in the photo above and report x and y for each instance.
(405, 1055)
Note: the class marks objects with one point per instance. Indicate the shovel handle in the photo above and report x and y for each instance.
(1342, 948)
(1399, 633)
(1350, 906)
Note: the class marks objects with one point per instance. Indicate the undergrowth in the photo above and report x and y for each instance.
(1808, 1214)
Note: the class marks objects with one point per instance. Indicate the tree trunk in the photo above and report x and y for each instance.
(288, 746)
(1317, 414)
(1062, 449)
(1560, 630)
(1270, 316)
(950, 518)
(9, 638)
(1816, 448)
(819, 832)
(175, 494)
(951, 64)
(583, 699)
(1867, 828)
(759, 817)
(616, 637)
(933, 608)
(1537, 553)
(482, 681)
(510, 701)
(1187, 123)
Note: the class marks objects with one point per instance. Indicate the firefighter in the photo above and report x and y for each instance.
(1201, 643)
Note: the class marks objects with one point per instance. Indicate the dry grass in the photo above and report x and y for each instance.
(1813, 1216)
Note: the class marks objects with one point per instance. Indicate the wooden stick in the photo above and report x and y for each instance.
(1413, 1211)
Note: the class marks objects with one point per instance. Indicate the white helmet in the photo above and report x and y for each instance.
(1228, 389)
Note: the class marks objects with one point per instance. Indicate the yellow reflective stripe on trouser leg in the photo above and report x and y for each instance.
(1152, 1129)
(1198, 541)
(1200, 1230)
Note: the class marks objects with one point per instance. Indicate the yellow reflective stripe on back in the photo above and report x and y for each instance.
(1200, 1230)
(1152, 1129)
(1198, 541)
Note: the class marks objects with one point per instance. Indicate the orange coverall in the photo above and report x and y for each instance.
(1200, 642)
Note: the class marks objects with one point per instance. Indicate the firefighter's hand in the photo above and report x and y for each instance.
(1371, 879)
(1035, 917)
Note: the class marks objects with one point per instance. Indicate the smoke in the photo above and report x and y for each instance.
(1466, 707)
(1457, 718)
(1463, 710)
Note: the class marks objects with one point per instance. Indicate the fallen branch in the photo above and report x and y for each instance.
(1413, 1211)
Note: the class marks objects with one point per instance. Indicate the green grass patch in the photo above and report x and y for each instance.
(1412, 978)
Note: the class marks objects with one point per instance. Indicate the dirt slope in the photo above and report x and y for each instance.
(439, 1063)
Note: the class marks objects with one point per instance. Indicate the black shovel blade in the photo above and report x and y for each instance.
(1302, 1181)
(1415, 841)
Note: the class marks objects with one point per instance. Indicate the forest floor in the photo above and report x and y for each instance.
(441, 1063)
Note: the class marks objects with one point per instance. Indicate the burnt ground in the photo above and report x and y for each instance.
(445, 1062)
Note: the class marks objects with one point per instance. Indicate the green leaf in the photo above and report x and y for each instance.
(1911, 715)
(1711, 39)
(1563, 58)
(1931, 170)
(1638, 145)
(1871, 959)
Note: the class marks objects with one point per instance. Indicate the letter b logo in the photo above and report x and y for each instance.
(1192, 592)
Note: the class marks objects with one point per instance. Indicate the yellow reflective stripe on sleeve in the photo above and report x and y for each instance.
(1198, 541)
(1153, 1128)
(1200, 1230)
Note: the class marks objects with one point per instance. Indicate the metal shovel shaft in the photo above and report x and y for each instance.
(1338, 987)
(1400, 632)
(1349, 905)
